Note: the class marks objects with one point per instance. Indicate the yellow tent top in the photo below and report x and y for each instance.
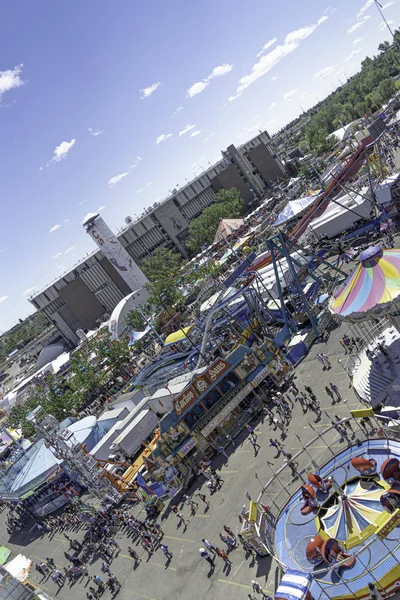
(178, 336)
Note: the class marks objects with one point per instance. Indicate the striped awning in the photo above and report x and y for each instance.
(294, 585)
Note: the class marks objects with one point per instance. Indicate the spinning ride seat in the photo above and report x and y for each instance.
(391, 500)
(310, 499)
(313, 550)
(365, 466)
(390, 470)
(333, 553)
(322, 485)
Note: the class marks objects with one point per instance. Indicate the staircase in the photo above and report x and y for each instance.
(373, 379)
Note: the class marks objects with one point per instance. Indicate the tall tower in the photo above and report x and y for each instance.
(115, 252)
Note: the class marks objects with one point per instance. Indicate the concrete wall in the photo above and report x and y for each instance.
(82, 303)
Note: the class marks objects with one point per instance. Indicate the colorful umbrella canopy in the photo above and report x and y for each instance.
(375, 281)
(355, 511)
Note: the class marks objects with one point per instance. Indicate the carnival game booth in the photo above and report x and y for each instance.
(219, 401)
(43, 481)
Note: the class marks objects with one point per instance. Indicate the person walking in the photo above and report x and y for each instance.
(256, 446)
(275, 444)
(222, 451)
(58, 577)
(181, 518)
(205, 555)
(193, 505)
(336, 391)
(166, 551)
(209, 546)
(230, 440)
(134, 554)
(203, 499)
(51, 563)
(251, 432)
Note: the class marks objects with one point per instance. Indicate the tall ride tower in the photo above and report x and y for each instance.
(115, 252)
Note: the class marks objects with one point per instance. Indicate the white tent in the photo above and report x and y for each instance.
(293, 208)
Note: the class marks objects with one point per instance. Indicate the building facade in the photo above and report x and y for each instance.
(86, 295)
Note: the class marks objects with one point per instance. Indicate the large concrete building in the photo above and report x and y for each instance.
(86, 295)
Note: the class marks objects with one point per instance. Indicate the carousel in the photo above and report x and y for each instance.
(339, 530)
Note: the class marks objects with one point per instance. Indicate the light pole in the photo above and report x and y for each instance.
(379, 7)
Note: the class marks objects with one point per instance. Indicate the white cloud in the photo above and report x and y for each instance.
(3, 299)
(195, 133)
(101, 208)
(66, 220)
(197, 88)
(142, 189)
(364, 8)
(163, 137)
(358, 23)
(388, 4)
(221, 70)
(148, 91)
(188, 127)
(352, 54)
(272, 105)
(382, 25)
(116, 179)
(54, 228)
(289, 95)
(29, 291)
(266, 46)
(93, 132)
(270, 60)
(178, 110)
(10, 79)
(57, 255)
(323, 73)
(200, 86)
(209, 136)
(357, 41)
(274, 78)
(136, 163)
(69, 249)
(61, 151)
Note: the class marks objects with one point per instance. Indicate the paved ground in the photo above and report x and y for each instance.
(187, 575)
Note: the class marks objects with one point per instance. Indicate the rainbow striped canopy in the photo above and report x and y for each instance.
(375, 281)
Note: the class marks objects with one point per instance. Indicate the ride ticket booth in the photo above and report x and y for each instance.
(255, 527)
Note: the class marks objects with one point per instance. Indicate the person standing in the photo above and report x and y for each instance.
(336, 391)
(205, 555)
(324, 360)
(330, 393)
(222, 554)
(374, 594)
(275, 444)
(230, 440)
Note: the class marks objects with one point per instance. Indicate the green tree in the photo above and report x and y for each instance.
(386, 89)
(115, 353)
(134, 321)
(162, 263)
(203, 229)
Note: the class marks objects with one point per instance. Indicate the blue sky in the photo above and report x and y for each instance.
(112, 104)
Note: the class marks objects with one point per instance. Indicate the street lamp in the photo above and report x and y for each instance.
(379, 7)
